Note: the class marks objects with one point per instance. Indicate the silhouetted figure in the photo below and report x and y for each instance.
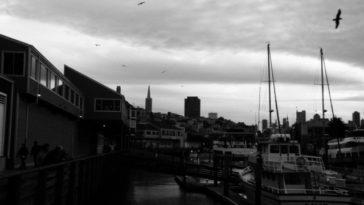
(43, 153)
(34, 152)
(22, 154)
(337, 19)
(106, 148)
(55, 156)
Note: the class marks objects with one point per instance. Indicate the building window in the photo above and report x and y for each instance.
(56, 83)
(72, 96)
(33, 68)
(107, 105)
(2, 122)
(13, 63)
(52, 81)
(60, 87)
(77, 99)
(43, 75)
(67, 92)
(81, 103)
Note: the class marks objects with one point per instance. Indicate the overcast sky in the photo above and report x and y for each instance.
(215, 50)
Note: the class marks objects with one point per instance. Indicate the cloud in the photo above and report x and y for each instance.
(199, 44)
(296, 27)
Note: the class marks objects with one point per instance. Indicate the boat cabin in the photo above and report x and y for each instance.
(280, 148)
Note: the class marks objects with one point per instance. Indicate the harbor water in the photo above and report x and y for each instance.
(141, 187)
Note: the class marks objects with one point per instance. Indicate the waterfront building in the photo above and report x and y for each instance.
(6, 98)
(148, 102)
(301, 116)
(159, 135)
(213, 115)
(192, 107)
(356, 119)
(106, 112)
(40, 103)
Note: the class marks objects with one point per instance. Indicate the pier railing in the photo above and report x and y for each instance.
(72, 182)
(319, 191)
(302, 163)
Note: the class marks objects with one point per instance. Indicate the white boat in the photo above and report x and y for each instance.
(351, 147)
(288, 177)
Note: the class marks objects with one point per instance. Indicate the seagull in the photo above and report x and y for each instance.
(163, 71)
(143, 2)
(97, 44)
(337, 19)
(124, 65)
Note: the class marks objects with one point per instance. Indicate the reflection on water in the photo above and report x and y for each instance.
(142, 187)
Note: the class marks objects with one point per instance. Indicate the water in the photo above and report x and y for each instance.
(149, 188)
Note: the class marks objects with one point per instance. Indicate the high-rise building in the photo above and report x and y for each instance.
(148, 102)
(192, 107)
(301, 116)
(264, 124)
(356, 119)
(285, 123)
(213, 115)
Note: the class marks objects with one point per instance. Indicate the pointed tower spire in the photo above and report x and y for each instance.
(148, 102)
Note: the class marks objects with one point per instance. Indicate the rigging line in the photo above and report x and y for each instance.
(275, 96)
(328, 88)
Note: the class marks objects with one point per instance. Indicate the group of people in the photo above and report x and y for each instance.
(41, 155)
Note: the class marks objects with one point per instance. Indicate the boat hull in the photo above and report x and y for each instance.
(268, 197)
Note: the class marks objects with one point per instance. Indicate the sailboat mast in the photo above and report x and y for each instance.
(323, 103)
(269, 82)
(322, 84)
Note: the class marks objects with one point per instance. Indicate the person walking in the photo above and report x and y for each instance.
(44, 150)
(22, 154)
(34, 152)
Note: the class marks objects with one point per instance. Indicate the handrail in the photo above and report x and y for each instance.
(15, 172)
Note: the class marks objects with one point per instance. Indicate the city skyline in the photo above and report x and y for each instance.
(181, 49)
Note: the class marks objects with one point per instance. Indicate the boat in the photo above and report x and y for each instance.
(279, 174)
(288, 177)
(351, 147)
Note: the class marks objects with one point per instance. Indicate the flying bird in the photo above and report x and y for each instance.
(124, 65)
(143, 2)
(337, 19)
(163, 71)
(97, 44)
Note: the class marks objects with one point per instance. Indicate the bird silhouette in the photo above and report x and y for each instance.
(163, 71)
(97, 44)
(143, 2)
(337, 19)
